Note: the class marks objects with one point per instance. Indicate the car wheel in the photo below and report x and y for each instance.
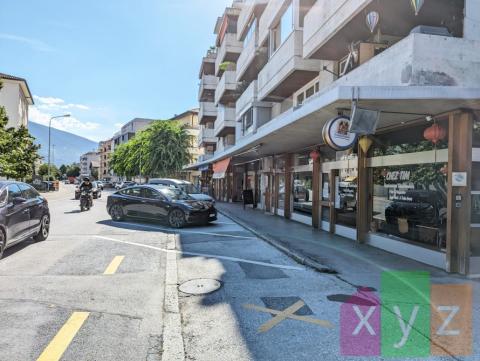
(176, 218)
(116, 212)
(44, 229)
(3, 242)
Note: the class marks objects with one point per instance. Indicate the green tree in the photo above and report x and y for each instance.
(160, 150)
(63, 169)
(18, 152)
(73, 170)
(54, 172)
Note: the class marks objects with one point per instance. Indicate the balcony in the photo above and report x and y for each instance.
(225, 123)
(205, 157)
(206, 91)
(287, 70)
(208, 64)
(229, 50)
(270, 16)
(226, 91)
(420, 60)
(330, 26)
(207, 112)
(249, 99)
(250, 8)
(252, 58)
(206, 136)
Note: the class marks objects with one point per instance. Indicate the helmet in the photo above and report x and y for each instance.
(86, 179)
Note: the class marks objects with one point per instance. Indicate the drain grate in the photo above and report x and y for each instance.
(200, 286)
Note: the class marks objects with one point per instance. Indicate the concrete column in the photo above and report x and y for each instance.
(316, 186)
(288, 186)
(459, 198)
(471, 23)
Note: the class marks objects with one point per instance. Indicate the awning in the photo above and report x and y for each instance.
(220, 168)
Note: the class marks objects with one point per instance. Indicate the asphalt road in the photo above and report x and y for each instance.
(100, 290)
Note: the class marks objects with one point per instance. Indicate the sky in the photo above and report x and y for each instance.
(106, 62)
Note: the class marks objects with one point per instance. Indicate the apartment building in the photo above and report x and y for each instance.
(310, 75)
(189, 119)
(105, 149)
(128, 130)
(89, 164)
(15, 96)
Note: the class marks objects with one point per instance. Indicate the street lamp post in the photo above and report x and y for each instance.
(49, 139)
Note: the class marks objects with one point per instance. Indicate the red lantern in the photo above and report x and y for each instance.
(435, 133)
(315, 155)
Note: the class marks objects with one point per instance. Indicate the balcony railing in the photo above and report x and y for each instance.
(286, 70)
(225, 122)
(208, 84)
(207, 112)
(206, 136)
(227, 88)
(229, 50)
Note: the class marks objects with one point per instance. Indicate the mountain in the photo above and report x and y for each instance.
(68, 147)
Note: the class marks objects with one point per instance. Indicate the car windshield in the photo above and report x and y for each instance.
(189, 188)
(174, 194)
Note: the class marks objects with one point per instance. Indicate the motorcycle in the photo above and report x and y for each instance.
(86, 201)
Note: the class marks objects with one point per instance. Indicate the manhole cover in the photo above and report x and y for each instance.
(200, 286)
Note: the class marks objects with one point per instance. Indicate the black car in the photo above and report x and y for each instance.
(160, 203)
(23, 214)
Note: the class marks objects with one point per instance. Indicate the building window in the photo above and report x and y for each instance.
(247, 122)
(251, 32)
(282, 31)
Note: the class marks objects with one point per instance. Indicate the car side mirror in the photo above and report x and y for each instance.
(18, 200)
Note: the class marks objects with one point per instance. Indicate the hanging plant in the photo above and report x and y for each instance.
(227, 65)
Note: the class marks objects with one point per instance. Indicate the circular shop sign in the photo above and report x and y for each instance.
(336, 133)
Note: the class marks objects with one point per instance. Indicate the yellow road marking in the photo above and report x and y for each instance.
(113, 266)
(56, 348)
(290, 315)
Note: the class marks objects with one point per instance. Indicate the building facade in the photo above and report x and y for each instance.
(16, 97)
(105, 151)
(90, 164)
(189, 120)
(356, 117)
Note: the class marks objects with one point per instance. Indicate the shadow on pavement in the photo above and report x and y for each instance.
(17, 248)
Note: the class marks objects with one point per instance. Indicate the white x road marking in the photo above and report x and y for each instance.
(226, 258)
(364, 320)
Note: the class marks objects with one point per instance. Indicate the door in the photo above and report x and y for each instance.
(35, 205)
(155, 206)
(18, 215)
(133, 202)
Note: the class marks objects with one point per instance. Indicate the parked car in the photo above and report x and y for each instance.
(96, 191)
(24, 213)
(100, 185)
(183, 185)
(160, 203)
(125, 184)
(108, 185)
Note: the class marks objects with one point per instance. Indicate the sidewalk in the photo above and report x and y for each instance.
(355, 263)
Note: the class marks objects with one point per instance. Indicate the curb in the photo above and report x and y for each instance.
(298, 257)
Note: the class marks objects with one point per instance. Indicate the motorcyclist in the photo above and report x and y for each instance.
(86, 185)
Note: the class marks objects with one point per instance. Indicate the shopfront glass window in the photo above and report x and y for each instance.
(281, 191)
(302, 193)
(410, 202)
(346, 194)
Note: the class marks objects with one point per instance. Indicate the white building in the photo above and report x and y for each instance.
(88, 162)
(15, 96)
(129, 130)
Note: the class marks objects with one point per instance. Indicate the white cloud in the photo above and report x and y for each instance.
(118, 125)
(70, 124)
(51, 103)
(33, 43)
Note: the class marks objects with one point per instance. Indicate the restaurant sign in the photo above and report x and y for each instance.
(336, 133)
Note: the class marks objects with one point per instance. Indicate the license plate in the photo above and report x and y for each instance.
(212, 215)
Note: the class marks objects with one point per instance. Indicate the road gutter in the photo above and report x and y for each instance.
(173, 346)
(298, 257)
